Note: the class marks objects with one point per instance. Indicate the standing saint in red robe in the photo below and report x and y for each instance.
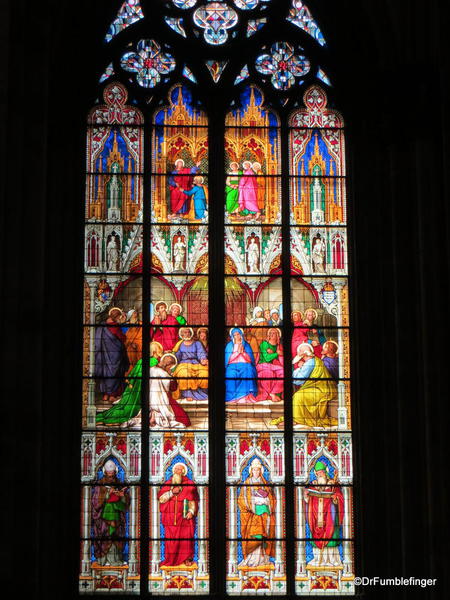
(181, 179)
(324, 510)
(178, 503)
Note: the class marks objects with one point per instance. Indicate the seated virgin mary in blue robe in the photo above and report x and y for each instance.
(240, 369)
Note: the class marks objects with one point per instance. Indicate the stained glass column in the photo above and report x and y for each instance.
(321, 403)
(254, 364)
(179, 367)
(111, 391)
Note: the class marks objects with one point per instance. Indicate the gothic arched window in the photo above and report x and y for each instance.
(216, 443)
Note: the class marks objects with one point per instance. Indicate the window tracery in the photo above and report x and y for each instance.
(202, 391)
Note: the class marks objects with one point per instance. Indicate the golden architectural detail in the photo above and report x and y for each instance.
(247, 137)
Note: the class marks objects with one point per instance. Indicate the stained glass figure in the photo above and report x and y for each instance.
(176, 25)
(243, 75)
(215, 18)
(283, 65)
(179, 512)
(109, 71)
(149, 62)
(255, 25)
(323, 474)
(300, 15)
(252, 192)
(110, 465)
(129, 13)
(255, 519)
(216, 68)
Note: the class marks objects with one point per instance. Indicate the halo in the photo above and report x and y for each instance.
(247, 162)
(172, 355)
(176, 304)
(178, 160)
(274, 329)
(115, 308)
(239, 329)
(314, 311)
(297, 311)
(185, 469)
(332, 342)
(159, 304)
(113, 463)
(305, 345)
(157, 346)
(202, 329)
(184, 327)
(256, 462)
(256, 163)
(274, 310)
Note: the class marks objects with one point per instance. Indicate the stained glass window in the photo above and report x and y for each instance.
(216, 403)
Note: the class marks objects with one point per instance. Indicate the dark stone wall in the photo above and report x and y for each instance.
(391, 75)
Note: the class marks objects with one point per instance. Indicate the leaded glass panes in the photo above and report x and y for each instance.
(276, 359)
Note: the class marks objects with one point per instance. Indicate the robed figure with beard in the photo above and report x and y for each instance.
(178, 503)
(110, 503)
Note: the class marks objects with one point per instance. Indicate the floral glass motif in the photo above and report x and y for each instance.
(216, 68)
(300, 15)
(129, 13)
(149, 63)
(176, 25)
(283, 65)
(215, 18)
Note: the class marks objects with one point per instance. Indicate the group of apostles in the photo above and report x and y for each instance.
(245, 190)
(178, 367)
(254, 366)
(187, 194)
(178, 504)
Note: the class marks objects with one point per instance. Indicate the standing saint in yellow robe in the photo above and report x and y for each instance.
(256, 502)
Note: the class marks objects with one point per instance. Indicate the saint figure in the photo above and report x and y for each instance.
(240, 369)
(318, 256)
(112, 254)
(178, 503)
(111, 358)
(324, 510)
(256, 502)
(232, 189)
(180, 180)
(110, 503)
(253, 256)
(192, 368)
(248, 197)
(179, 254)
